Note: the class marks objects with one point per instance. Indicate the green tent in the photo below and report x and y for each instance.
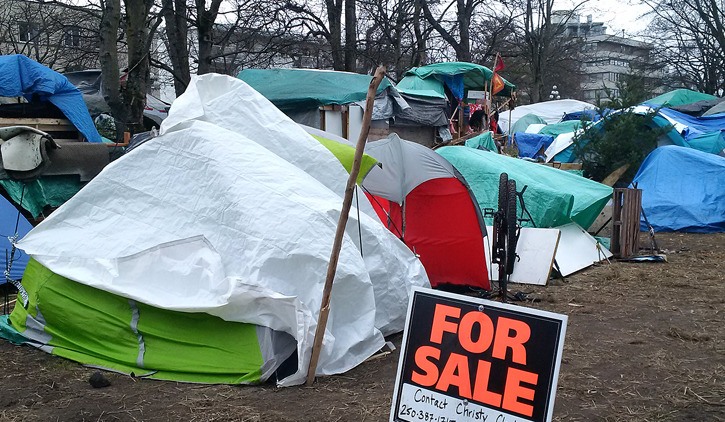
(553, 197)
(295, 89)
(473, 76)
(557, 129)
(524, 122)
(678, 97)
(413, 85)
(129, 336)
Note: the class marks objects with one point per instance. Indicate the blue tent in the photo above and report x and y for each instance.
(682, 190)
(23, 77)
(9, 216)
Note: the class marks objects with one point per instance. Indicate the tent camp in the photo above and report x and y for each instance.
(421, 198)
(553, 197)
(329, 100)
(200, 255)
(682, 190)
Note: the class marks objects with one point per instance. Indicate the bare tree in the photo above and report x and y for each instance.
(551, 56)
(691, 37)
(57, 35)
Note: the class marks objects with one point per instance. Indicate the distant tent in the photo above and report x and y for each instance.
(421, 198)
(9, 218)
(483, 141)
(700, 108)
(682, 190)
(678, 97)
(524, 122)
(718, 109)
(24, 77)
(549, 111)
(553, 197)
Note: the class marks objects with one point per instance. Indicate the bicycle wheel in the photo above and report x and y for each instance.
(511, 221)
(499, 223)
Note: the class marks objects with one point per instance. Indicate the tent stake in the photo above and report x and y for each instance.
(342, 222)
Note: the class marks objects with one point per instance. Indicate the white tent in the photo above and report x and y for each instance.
(551, 111)
(232, 211)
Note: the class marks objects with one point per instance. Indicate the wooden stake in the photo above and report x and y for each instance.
(342, 222)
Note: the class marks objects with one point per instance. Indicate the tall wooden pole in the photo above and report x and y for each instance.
(342, 222)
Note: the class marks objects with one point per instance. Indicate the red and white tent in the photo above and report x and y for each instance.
(423, 199)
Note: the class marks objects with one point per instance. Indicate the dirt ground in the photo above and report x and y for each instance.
(645, 342)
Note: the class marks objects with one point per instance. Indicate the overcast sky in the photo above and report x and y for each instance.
(618, 15)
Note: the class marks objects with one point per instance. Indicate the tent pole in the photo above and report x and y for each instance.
(341, 223)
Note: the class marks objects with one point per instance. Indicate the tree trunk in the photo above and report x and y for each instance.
(205, 31)
(109, 64)
(350, 36)
(174, 12)
(334, 17)
(137, 80)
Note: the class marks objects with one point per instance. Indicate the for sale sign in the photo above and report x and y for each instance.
(469, 359)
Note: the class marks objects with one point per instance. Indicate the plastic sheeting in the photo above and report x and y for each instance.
(23, 77)
(553, 197)
(255, 201)
(682, 190)
(531, 145)
(550, 111)
(523, 123)
(475, 76)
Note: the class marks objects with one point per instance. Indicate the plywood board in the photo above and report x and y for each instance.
(578, 249)
(536, 249)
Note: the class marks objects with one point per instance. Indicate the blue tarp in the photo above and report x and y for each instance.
(8, 217)
(589, 114)
(23, 77)
(682, 190)
(530, 144)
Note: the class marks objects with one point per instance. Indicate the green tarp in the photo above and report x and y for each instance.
(299, 89)
(101, 329)
(679, 97)
(475, 76)
(482, 141)
(553, 197)
(51, 191)
(414, 85)
(557, 129)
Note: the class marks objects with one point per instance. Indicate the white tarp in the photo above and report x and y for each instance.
(551, 111)
(232, 211)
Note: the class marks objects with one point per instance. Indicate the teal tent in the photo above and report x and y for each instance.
(678, 97)
(553, 197)
(523, 123)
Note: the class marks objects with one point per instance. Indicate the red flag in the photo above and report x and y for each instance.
(497, 84)
(499, 64)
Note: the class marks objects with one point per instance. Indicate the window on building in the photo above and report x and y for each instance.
(27, 31)
(72, 37)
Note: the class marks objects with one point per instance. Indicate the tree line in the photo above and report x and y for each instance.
(185, 37)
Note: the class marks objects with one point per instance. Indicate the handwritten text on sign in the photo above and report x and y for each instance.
(466, 359)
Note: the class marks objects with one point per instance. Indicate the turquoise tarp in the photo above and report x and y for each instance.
(299, 89)
(553, 197)
(474, 75)
(482, 141)
(678, 97)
